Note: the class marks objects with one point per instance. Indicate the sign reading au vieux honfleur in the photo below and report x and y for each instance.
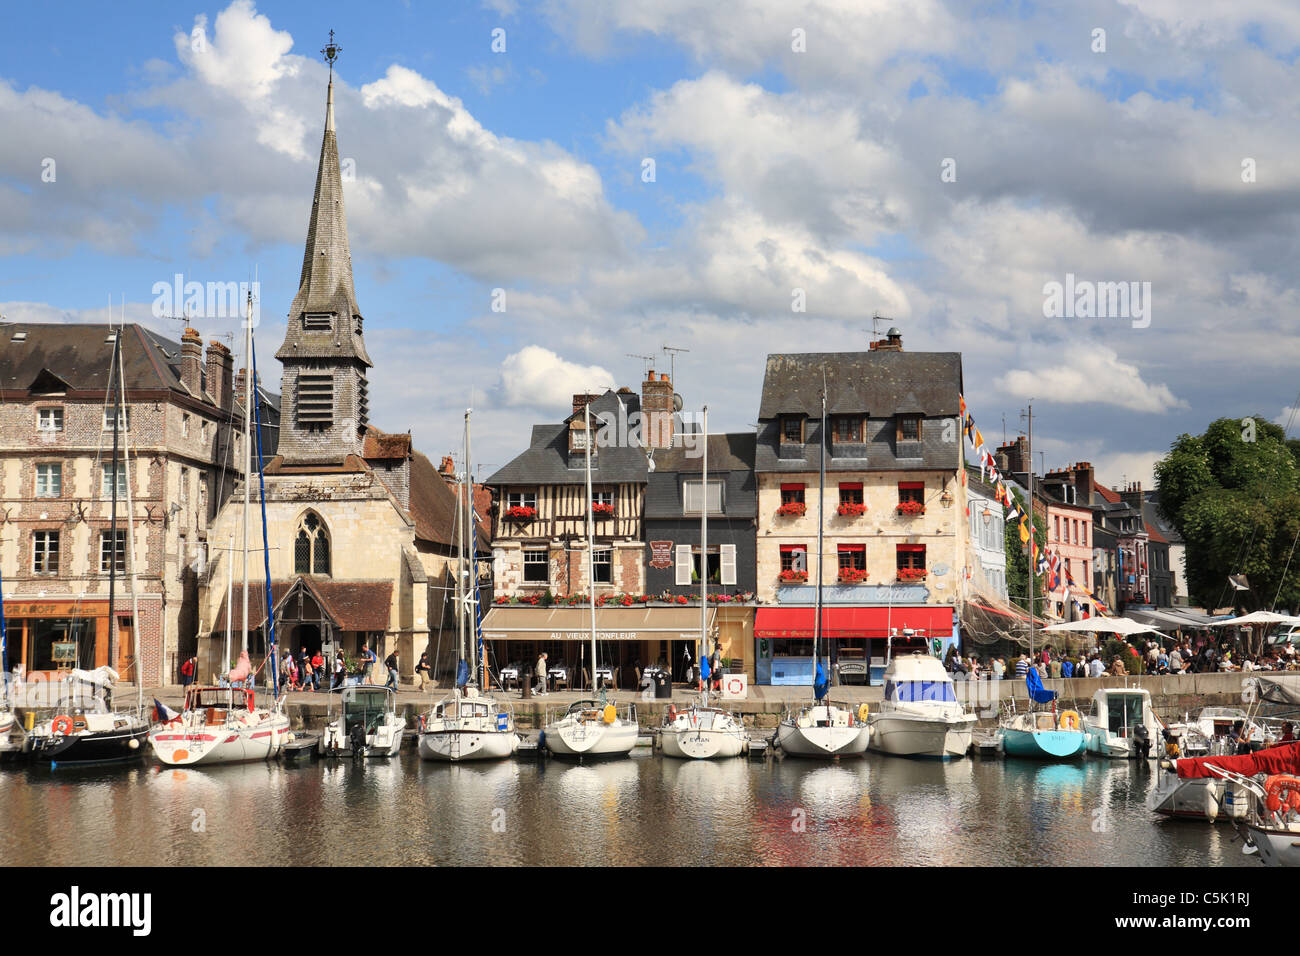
(661, 554)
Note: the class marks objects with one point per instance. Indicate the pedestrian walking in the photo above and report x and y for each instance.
(340, 670)
(187, 671)
(368, 660)
(317, 669)
(541, 673)
(391, 663)
(423, 672)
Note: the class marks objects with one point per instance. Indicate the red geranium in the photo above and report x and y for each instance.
(911, 574)
(791, 575)
(851, 509)
(521, 513)
(852, 575)
(602, 509)
(681, 599)
(792, 509)
(911, 508)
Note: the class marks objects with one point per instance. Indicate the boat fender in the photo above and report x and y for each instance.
(863, 710)
(672, 713)
(61, 724)
(610, 714)
(1282, 791)
(1069, 720)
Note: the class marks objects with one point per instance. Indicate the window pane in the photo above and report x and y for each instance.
(321, 554)
(302, 554)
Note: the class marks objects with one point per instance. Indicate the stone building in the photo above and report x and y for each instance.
(181, 428)
(894, 527)
(360, 525)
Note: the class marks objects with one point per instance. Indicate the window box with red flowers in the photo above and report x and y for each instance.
(681, 599)
(852, 575)
(521, 513)
(792, 509)
(911, 574)
(851, 509)
(791, 576)
(911, 508)
(602, 509)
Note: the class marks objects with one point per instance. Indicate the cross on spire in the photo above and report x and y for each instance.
(331, 53)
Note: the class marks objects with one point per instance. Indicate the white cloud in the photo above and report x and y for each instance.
(1084, 373)
(537, 377)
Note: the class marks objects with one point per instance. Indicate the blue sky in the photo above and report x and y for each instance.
(776, 170)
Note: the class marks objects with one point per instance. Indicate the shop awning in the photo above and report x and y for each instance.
(612, 624)
(852, 622)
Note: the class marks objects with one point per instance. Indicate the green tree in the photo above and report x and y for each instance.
(1234, 496)
(1018, 561)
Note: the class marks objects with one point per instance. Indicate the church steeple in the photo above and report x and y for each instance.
(324, 352)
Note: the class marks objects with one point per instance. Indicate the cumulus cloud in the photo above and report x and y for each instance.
(1088, 374)
(537, 377)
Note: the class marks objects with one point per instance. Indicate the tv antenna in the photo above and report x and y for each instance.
(876, 319)
(672, 362)
(647, 359)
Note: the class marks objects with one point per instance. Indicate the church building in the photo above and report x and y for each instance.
(360, 525)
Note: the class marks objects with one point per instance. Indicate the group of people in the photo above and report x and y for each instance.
(304, 672)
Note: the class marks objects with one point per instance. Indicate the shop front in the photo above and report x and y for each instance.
(52, 636)
(857, 640)
(628, 639)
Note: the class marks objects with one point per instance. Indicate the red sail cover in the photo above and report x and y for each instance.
(1284, 759)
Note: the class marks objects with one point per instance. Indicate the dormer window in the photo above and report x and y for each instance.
(846, 428)
(318, 322)
(909, 427)
(792, 429)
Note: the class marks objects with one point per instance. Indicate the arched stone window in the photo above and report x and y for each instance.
(311, 548)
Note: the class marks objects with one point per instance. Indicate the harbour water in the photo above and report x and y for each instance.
(640, 811)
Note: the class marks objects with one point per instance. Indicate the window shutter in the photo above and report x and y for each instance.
(728, 552)
(683, 564)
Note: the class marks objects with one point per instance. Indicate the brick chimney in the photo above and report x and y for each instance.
(220, 365)
(192, 361)
(239, 388)
(1132, 495)
(447, 467)
(892, 342)
(1017, 456)
(1083, 480)
(657, 411)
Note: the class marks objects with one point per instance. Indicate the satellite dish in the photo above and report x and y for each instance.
(677, 402)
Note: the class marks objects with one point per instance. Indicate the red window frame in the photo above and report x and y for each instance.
(911, 491)
(910, 556)
(854, 496)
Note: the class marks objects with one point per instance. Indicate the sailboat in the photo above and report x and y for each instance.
(225, 724)
(822, 728)
(86, 727)
(7, 723)
(593, 726)
(1042, 733)
(465, 725)
(701, 732)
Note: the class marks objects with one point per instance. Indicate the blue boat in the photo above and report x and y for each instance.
(1044, 735)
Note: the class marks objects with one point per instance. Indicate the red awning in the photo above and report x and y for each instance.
(852, 622)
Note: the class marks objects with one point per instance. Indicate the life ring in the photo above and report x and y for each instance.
(1069, 720)
(1281, 791)
(61, 724)
(610, 714)
(863, 710)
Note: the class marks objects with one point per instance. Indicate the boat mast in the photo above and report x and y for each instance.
(112, 521)
(460, 555)
(591, 546)
(471, 565)
(248, 470)
(704, 549)
(1029, 468)
(230, 601)
(130, 538)
(821, 501)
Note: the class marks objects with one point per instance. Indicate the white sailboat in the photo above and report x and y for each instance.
(7, 723)
(464, 725)
(822, 728)
(593, 727)
(225, 724)
(701, 732)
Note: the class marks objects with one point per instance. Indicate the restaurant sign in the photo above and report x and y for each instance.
(661, 554)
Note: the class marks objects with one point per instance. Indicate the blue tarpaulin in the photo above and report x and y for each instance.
(462, 673)
(819, 682)
(1036, 691)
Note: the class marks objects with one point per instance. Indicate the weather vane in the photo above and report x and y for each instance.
(331, 52)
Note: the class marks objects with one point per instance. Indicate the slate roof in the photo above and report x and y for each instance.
(433, 506)
(733, 451)
(879, 385)
(731, 460)
(546, 461)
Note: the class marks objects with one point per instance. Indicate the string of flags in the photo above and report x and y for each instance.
(1046, 562)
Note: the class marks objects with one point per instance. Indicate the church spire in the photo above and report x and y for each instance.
(324, 320)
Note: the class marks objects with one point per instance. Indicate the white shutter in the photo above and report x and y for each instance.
(684, 564)
(728, 552)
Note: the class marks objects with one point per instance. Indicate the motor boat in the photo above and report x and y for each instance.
(824, 729)
(465, 726)
(1271, 828)
(1197, 787)
(1041, 734)
(920, 715)
(367, 715)
(1205, 734)
(8, 726)
(220, 725)
(84, 726)
(1121, 723)
(592, 728)
(701, 732)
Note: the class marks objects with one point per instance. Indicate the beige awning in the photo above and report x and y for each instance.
(612, 624)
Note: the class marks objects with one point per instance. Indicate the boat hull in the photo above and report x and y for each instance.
(101, 747)
(454, 746)
(1043, 744)
(1204, 798)
(591, 738)
(907, 735)
(1276, 847)
(384, 742)
(822, 741)
(698, 744)
(179, 747)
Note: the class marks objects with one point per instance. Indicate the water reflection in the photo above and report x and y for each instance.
(629, 812)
